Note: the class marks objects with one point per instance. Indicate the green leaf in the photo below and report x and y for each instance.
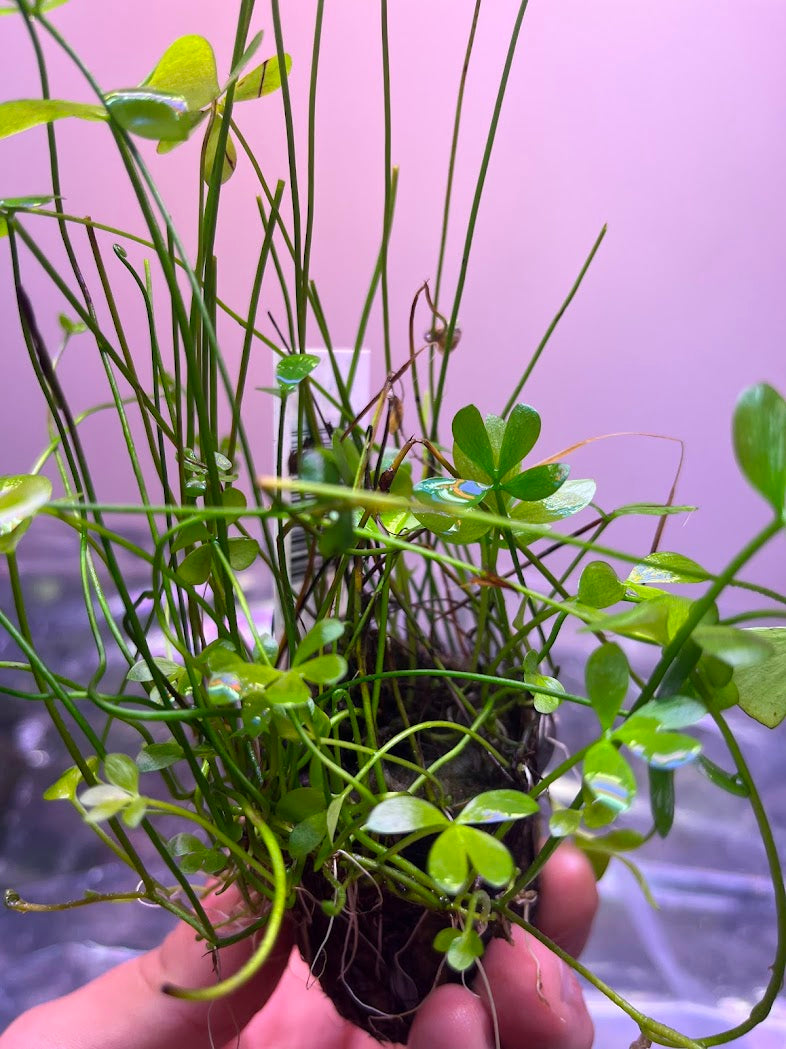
(736, 648)
(134, 812)
(323, 633)
(404, 814)
(211, 149)
(651, 510)
(469, 433)
(151, 114)
(522, 430)
(647, 621)
(667, 568)
(262, 80)
(497, 806)
(444, 938)
(183, 844)
(599, 586)
(674, 711)
(607, 676)
(324, 670)
(289, 690)
(762, 687)
(105, 794)
(65, 788)
(307, 835)
(25, 113)
(242, 553)
(447, 863)
(661, 750)
(40, 7)
(490, 858)
(141, 671)
(464, 951)
(299, 803)
(539, 482)
(449, 497)
(731, 782)
(122, 771)
(564, 822)
(21, 497)
(572, 498)
(294, 368)
(14, 204)
(543, 703)
(609, 777)
(156, 756)
(195, 568)
(187, 68)
(759, 430)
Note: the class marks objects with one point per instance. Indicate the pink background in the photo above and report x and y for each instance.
(666, 121)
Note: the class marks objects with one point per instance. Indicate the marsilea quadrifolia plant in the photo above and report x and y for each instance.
(376, 762)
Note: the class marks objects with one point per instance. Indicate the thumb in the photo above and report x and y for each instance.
(125, 1008)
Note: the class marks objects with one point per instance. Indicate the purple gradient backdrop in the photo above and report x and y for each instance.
(666, 121)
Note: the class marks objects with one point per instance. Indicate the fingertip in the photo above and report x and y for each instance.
(568, 899)
(452, 1016)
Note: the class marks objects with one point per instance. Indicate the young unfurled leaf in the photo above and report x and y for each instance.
(761, 688)
(539, 482)
(667, 568)
(497, 806)
(22, 114)
(187, 68)
(404, 814)
(759, 430)
(262, 80)
(470, 435)
(122, 771)
(522, 429)
(294, 368)
(65, 788)
(599, 586)
(607, 676)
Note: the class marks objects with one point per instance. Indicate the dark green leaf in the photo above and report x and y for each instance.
(151, 114)
(403, 815)
(736, 648)
(307, 835)
(732, 783)
(607, 676)
(183, 844)
(539, 482)
(522, 430)
(759, 430)
(242, 553)
(662, 799)
(299, 803)
(469, 433)
(195, 568)
(599, 586)
(156, 756)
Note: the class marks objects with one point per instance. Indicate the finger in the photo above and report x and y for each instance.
(568, 899)
(452, 1016)
(125, 1007)
(534, 996)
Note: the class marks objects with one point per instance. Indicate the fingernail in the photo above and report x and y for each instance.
(570, 989)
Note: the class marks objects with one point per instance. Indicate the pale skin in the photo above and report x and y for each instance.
(537, 1001)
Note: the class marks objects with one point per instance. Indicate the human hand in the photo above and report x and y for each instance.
(537, 1000)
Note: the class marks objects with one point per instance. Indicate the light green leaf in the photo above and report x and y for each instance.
(607, 676)
(151, 114)
(572, 498)
(324, 670)
(404, 814)
(469, 433)
(464, 951)
(736, 648)
(522, 429)
(105, 794)
(759, 430)
(497, 806)
(21, 497)
(41, 7)
(447, 863)
(184, 844)
(661, 750)
(24, 113)
(490, 857)
(122, 771)
(651, 510)
(134, 812)
(211, 149)
(65, 788)
(156, 756)
(667, 568)
(543, 703)
(762, 687)
(673, 712)
(187, 68)
(262, 80)
(323, 633)
(294, 368)
(141, 671)
(289, 690)
(599, 586)
(564, 822)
